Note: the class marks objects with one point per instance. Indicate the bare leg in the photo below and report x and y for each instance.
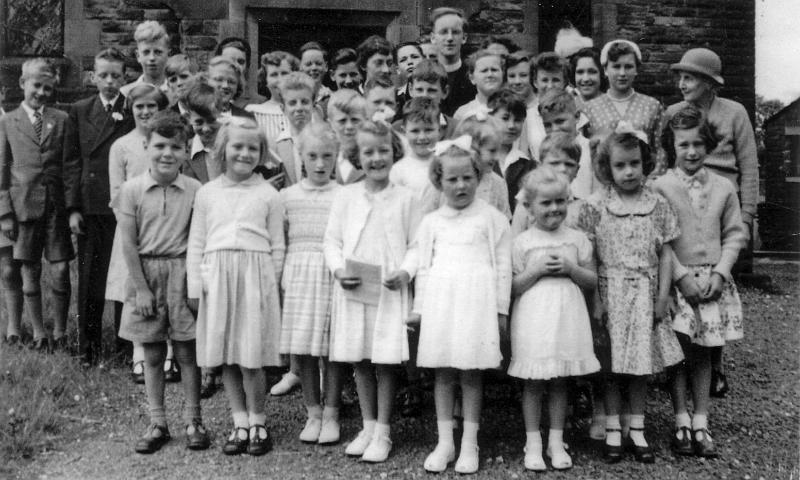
(532, 393)
(60, 291)
(185, 354)
(31, 288)
(387, 384)
(558, 411)
(444, 396)
(12, 291)
(154, 355)
(472, 392)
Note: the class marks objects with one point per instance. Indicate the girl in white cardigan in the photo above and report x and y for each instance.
(234, 260)
(372, 222)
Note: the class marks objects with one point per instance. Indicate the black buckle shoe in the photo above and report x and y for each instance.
(681, 441)
(197, 436)
(235, 444)
(612, 453)
(705, 447)
(151, 443)
(259, 446)
(642, 454)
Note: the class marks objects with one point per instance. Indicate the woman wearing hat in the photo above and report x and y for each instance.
(621, 60)
(735, 157)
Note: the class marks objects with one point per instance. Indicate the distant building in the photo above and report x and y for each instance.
(779, 215)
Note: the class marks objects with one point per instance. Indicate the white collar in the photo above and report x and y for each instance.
(286, 134)
(111, 102)
(197, 146)
(513, 156)
(31, 112)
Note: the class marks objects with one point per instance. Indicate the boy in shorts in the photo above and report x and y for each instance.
(33, 142)
(155, 211)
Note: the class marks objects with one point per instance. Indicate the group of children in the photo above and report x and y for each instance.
(369, 228)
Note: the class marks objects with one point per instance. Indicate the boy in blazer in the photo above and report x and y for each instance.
(32, 214)
(99, 121)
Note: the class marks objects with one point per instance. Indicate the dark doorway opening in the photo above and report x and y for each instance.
(289, 29)
(554, 14)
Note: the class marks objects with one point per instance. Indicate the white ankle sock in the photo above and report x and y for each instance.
(637, 430)
(470, 434)
(533, 438)
(445, 429)
(369, 426)
(381, 430)
(257, 418)
(613, 438)
(683, 420)
(555, 439)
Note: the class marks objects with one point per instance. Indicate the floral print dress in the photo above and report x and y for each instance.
(628, 242)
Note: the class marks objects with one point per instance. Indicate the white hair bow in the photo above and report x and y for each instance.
(386, 115)
(624, 126)
(464, 142)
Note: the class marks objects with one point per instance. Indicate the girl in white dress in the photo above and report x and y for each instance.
(234, 260)
(372, 222)
(551, 337)
(462, 259)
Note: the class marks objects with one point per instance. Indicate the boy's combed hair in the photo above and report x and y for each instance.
(277, 57)
(150, 31)
(224, 135)
(472, 60)
(431, 72)
(549, 62)
(560, 142)
(411, 43)
(347, 101)
(143, 90)
(37, 67)
(383, 80)
(238, 43)
(510, 45)
(218, 61)
(169, 124)
(544, 175)
(297, 81)
(314, 46)
(435, 170)
(180, 63)
(320, 131)
(343, 56)
(506, 98)
(483, 129)
(627, 141)
(421, 109)
(557, 101)
(112, 54)
(383, 130)
(440, 12)
(373, 45)
(686, 118)
(201, 99)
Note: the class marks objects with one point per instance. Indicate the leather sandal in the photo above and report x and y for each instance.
(236, 445)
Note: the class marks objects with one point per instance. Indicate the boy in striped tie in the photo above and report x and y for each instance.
(32, 214)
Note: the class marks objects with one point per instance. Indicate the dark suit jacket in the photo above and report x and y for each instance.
(86, 169)
(31, 169)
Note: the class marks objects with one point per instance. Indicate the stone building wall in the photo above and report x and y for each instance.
(664, 30)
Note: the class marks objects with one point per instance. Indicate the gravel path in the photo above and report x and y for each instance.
(756, 427)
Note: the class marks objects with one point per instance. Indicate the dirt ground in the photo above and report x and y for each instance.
(755, 427)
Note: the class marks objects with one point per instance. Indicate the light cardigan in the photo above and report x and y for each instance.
(712, 235)
(246, 216)
(349, 213)
(736, 156)
(419, 259)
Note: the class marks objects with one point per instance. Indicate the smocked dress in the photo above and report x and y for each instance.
(628, 244)
(307, 283)
(373, 228)
(463, 264)
(550, 331)
(126, 159)
(234, 258)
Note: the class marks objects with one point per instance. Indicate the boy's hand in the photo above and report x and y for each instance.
(714, 288)
(690, 291)
(145, 302)
(348, 283)
(193, 304)
(9, 228)
(413, 321)
(76, 223)
(396, 279)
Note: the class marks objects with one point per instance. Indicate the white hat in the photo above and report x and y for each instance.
(569, 41)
